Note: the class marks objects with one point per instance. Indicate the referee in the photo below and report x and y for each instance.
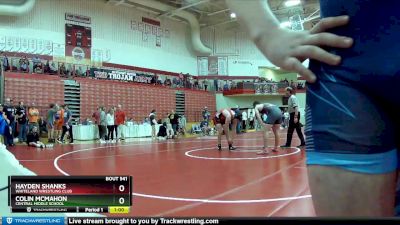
(294, 121)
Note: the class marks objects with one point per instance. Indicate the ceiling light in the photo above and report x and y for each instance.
(233, 15)
(285, 24)
(290, 3)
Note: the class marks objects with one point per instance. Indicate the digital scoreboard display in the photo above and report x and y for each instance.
(82, 194)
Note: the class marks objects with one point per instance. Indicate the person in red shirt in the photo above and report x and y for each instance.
(120, 119)
(96, 116)
(222, 119)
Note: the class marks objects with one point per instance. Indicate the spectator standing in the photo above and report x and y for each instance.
(6, 129)
(50, 123)
(46, 68)
(58, 122)
(174, 119)
(251, 119)
(170, 131)
(110, 125)
(103, 125)
(33, 116)
(216, 84)
(205, 83)
(96, 117)
(21, 119)
(10, 111)
(244, 120)
(153, 123)
(182, 123)
(239, 117)
(6, 64)
(206, 114)
(120, 119)
(67, 125)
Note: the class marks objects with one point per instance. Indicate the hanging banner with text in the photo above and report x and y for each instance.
(120, 75)
(212, 65)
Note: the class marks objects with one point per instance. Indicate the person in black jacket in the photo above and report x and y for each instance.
(162, 132)
(33, 138)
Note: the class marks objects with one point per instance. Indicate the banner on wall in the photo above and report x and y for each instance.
(24, 44)
(212, 65)
(17, 44)
(58, 52)
(202, 66)
(78, 18)
(10, 44)
(120, 75)
(78, 43)
(223, 65)
(32, 45)
(107, 55)
(48, 47)
(40, 46)
(97, 57)
(158, 41)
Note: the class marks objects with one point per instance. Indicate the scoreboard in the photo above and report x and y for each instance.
(77, 194)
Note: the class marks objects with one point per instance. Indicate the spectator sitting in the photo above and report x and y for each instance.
(37, 65)
(24, 64)
(69, 72)
(170, 131)
(33, 138)
(204, 125)
(62, 70)
(42, 126)
(46, 68)
(52, 68)
(162, 132)
(79, 72)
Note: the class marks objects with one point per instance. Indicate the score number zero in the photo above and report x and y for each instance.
(121, 200)
(121, 188)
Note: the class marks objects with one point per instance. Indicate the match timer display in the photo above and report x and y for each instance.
(86, 194)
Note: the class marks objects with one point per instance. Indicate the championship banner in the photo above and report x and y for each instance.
(120, 75)
(78, 43)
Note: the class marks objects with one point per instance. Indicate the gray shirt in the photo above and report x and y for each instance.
(103, 118)
(292, 104)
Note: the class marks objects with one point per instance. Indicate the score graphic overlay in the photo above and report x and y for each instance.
(83, 194)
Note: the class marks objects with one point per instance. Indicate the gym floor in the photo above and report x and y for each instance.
(188, 176)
